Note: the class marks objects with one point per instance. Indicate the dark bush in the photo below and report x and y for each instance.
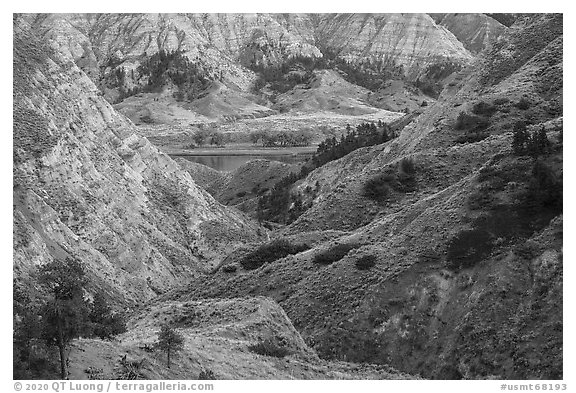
(146, 119)
(523, 104)
(484, 109)
(545, 189)
(468, 248)
(464, 121)
(241, 194)
(377, 188)
(229, 268)
(270, 252)
(501, 101)
(400, 178)
(269, 348)
(366, 262)
(206, 375)
(334, 254)
(526, 143)
(472, 137)
(407, 166)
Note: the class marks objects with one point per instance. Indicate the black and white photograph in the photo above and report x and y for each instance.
(287, 196)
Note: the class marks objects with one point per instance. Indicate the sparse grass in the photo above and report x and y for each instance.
(334, 254)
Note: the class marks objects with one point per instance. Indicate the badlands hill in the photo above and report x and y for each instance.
(230, 51)
(458, 276)
(453, 271)
(88, 188)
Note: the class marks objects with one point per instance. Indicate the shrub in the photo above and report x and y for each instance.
(241, 194)
(523, 104)
(206, 375)
(519, 138)
(472, 137)
(407, 166)
(334, 254)
(545, 189)
(484, 108)
(269, 348)
(468, 248)
(270, 252)
(229, 268)
(465, 121)
(130, 370)
(146, 119)
(377, 188)
(501, 101)
(366, 262)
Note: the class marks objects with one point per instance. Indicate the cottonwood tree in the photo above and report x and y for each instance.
(104, 322)
(169, 341)
(65, 316)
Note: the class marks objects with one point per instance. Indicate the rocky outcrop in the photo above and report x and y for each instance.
(408, 43)
(226, 42)
(475, 31)
(86, 186)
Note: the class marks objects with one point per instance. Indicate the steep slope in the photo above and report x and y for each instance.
(87, 187)
(458, 275)
(408, 42)
(475, 31)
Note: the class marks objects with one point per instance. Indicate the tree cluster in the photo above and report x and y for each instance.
(60, 318)
(159, 69)
(365, 134)
(282, 206)
(212, 137)
(175, 67)
(282, 138)
(283, 77)
(525, 143)
(275, 204)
